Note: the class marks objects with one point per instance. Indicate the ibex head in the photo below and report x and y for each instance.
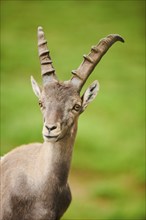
(60, 102)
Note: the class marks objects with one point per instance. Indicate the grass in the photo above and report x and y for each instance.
(105, 196)
(108, 166)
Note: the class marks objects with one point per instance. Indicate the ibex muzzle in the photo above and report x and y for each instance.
(34, 176)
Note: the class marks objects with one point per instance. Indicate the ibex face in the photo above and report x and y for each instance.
(61, 105)
(60, 102)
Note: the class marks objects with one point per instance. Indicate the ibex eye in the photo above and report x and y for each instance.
(40, 104)
(77, 107)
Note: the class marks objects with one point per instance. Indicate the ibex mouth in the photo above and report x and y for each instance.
(53, 138)
(48, 136)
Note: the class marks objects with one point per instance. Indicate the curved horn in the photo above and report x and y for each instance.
(92, 59)
(48, 72)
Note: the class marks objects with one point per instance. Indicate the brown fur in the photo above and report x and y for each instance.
(34, 176)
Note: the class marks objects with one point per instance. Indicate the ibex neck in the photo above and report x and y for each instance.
(58, 156)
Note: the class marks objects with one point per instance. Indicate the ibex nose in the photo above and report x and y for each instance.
(51, 127)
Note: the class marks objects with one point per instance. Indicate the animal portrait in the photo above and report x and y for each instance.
(34, 177)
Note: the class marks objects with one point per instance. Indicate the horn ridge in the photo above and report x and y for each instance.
(90, 61)
(47, 69)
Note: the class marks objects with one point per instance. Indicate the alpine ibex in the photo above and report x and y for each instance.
(34, 176)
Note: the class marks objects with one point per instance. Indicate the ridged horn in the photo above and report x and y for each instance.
(91, 60)
(47, 69)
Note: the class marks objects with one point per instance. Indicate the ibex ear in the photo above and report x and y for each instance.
(35, 87)
(90, 94)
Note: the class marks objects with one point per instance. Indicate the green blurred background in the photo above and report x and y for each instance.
(107, 176)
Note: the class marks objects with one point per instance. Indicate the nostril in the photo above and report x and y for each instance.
(50, 128)
(53, 127)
